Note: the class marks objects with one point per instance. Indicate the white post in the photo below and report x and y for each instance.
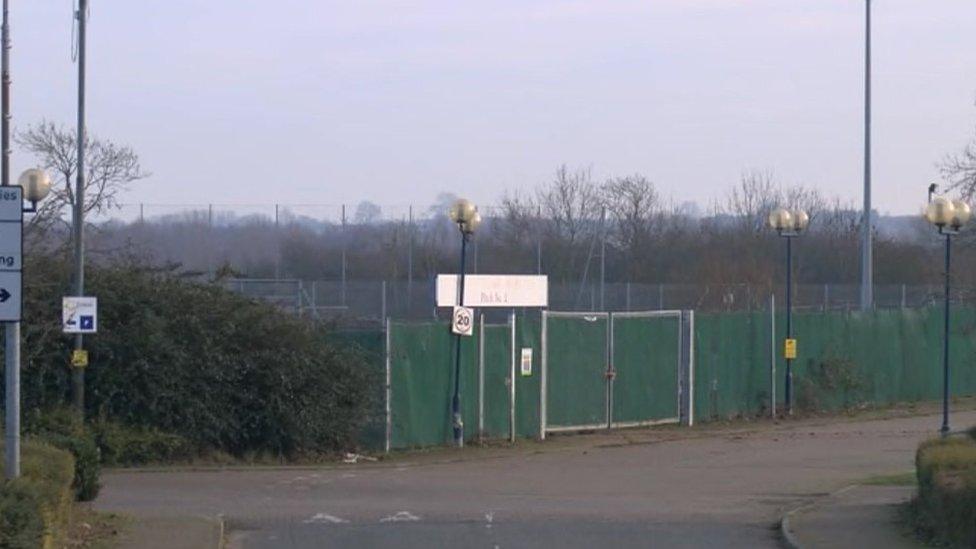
(511, 388)
(383, 299)
(542, 378)
(481, 378)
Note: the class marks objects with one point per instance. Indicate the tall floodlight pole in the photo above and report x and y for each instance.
(78, 372)
(867, 262)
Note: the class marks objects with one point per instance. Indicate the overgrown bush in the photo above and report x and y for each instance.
(121, 445)
(946, 505)
(64, 429)
(34, 508)
(220, 370)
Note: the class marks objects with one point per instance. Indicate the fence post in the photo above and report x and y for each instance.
(342, 290)
(772, 354)
(481, 379)
(660, 297)
(383, 299)
(628, 296)
(389, 389)
(511, 388)
(542, 377)
(826, 298)
(298, 298)
(904, 303)
(686, 333)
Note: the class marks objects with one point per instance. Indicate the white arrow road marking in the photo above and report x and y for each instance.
(325, 518)
(402, 516)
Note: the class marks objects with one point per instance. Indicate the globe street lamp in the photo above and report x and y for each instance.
(948, 216)
(36, 184)
(466, 215)
(789, 224)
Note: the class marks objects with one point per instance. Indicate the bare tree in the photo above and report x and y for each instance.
(960, 170)
(634, 207)
(753, 198)
(110, 166)
(571, 201)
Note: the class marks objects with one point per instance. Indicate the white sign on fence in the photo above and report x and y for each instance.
(79, 315)
(462, 321)
(495, 291)
(526, 361)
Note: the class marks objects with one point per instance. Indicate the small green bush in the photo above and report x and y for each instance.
(64, 429)
(35, 506)
(122, 445)
(946, 503)
(21, 522)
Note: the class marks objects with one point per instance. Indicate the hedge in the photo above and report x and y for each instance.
(945, 508)
(35, 508)
(219, 370)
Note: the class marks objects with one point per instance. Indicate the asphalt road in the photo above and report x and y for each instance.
(714, 487)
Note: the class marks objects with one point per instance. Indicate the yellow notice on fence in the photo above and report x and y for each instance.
(789, 349)
(79, 358)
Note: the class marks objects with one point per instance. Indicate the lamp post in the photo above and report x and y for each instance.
(465, 214)
(948, 216)
(789, 225)
(36, 185)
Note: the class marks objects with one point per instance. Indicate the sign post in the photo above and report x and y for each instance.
(11, 300)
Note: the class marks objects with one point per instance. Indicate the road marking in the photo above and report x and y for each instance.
(489, 516)
(325, 518)
(402, 516)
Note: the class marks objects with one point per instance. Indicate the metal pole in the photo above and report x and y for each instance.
(456, 401)
(342, 290)
(481, 378)
(511, 385)
(410, 259)
(383, 300)
(11, 329)
(945, 342)
(788, 393)
(867, 267)
(772, 355)
(78, 373)
(603, 259)
(538, 241)
(277, 233)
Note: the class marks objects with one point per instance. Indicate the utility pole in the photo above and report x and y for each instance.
(78, 372)
(867, 267)
(11, 329)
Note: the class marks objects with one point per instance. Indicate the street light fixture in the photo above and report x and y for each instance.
(948, 216)
(789, 224)
(36, 184)
(466, 215)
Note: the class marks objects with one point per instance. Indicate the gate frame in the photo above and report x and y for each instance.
(543, 380)
(677, 315)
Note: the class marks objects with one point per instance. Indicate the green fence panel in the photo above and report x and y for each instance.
(731, 365)
(646, 352)
(422, 384)
(576, 383)
(498, 364)
(528, 335)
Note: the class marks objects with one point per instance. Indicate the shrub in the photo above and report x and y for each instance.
(121, 445)
(222, 371)
(946, 503)
(34, 508)
(64, 429)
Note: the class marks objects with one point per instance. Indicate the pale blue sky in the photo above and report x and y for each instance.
(313, 101)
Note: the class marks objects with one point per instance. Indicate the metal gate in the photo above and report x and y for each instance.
(607, 370)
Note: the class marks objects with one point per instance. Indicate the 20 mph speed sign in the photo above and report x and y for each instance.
(462, 321)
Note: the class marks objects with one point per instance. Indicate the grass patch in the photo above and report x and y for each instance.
(35, 508)
(896, 479)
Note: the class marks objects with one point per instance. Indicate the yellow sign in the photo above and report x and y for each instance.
(79, 358)
(789, 349)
